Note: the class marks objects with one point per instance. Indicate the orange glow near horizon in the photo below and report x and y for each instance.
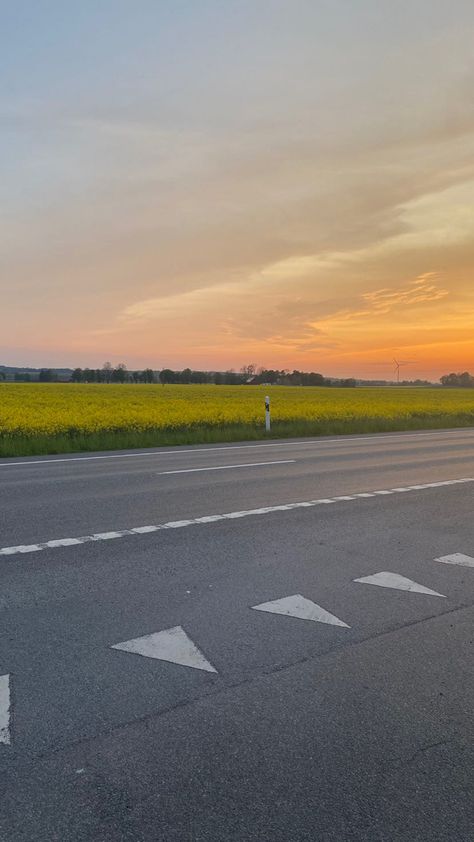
(304, 200)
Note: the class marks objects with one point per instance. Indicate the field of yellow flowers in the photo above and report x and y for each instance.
(54, 418)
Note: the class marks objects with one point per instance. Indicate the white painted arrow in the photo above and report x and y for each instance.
(299, 606)
(5, 709)
(457, 558)
(384, 579)
(171, 645)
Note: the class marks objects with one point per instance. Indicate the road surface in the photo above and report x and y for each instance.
(265, 641)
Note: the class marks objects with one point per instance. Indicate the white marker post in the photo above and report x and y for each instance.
(267, 414)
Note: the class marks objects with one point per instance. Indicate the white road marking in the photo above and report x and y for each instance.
(226, 467)
(304, 442)
(5, 710)
(107, 536)
(142, 530)
(299, 606)
(63, 542)
(385, 579)
(457, 558)
(22, 548)
(181, 524)
(171, 645)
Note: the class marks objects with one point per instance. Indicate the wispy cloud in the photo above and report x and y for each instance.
(381, 302)
(421, 290)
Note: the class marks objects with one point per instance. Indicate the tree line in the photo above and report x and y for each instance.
(248, 374)
(109, 374)
(460, 380)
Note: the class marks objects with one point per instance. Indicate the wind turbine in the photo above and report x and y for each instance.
(398, 364)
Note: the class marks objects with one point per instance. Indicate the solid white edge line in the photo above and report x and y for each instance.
(289, 443)
(5, 736)
(178, 524)
(225, 467)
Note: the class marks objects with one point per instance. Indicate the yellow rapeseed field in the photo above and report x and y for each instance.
(57, 417)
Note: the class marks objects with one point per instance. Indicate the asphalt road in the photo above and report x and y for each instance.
(149, 691)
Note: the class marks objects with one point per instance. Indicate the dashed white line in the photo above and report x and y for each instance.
(180, 524)
(142, 530)
(226, 467)
(106, 536)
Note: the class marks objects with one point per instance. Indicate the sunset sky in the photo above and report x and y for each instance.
(217, 182)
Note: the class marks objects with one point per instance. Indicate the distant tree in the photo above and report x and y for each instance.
(89, 375)
(46, 375)
(120, 374)
(284, 377)
(461, 379)
(107, 372)
(148, 375)
(199, 377)
(249, 371)
(167, 376)
(232, 378)
(76, 376)
(267, 375)
(465, 380)
(313, 378)
(295, 378)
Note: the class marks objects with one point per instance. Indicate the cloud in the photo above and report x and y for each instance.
(211, 208)
(419, 291)
(387, 301)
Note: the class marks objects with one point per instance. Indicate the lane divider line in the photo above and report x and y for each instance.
(180, 524)
(226, 467)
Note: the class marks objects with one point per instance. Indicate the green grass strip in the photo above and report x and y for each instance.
(37, 445)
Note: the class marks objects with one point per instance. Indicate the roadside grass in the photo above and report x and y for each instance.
(39, 419)
(12, 445)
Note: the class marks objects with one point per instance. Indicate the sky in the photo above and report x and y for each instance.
(213, 183)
